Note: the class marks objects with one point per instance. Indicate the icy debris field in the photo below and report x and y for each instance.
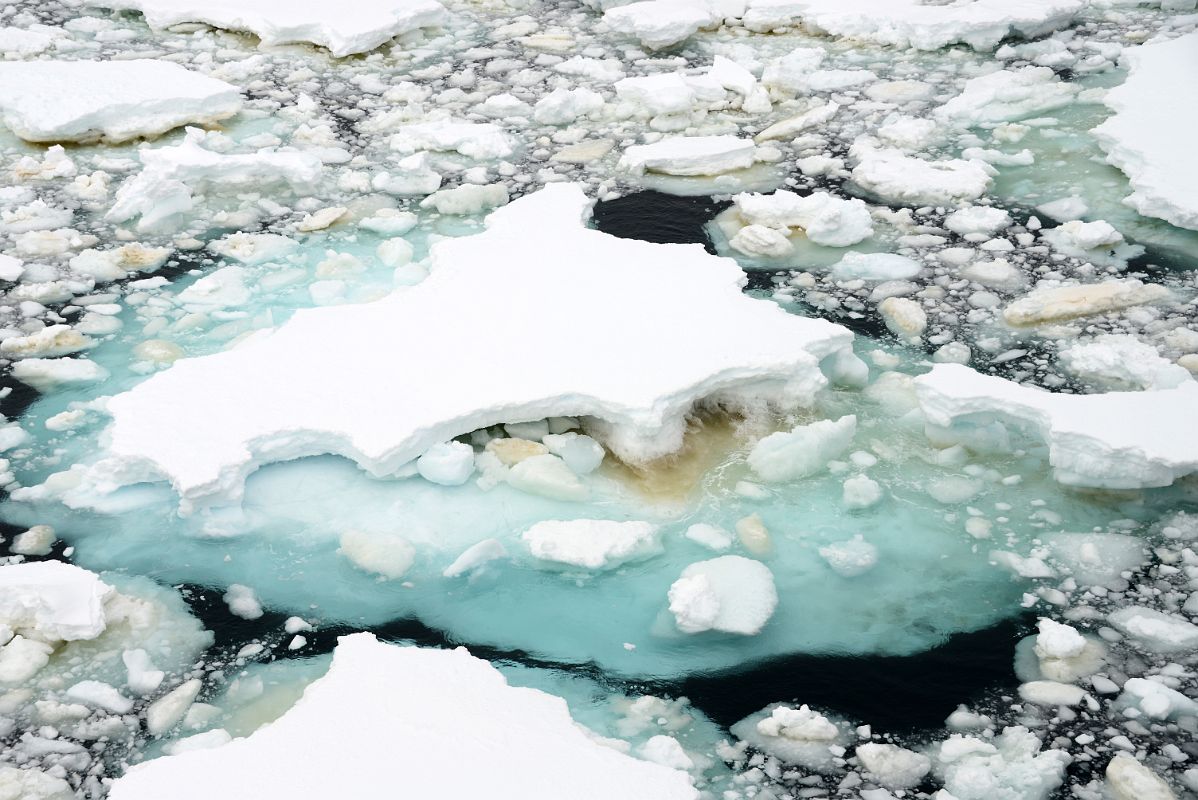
(541, 399)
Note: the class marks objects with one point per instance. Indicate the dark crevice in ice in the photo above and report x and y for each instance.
(660, 218)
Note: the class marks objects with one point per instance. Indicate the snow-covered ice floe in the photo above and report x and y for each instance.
(1117, 440)
(345, 29)
(520, 350)
(982, 24)
(414, 721)
(1150, 136)
(79, 101)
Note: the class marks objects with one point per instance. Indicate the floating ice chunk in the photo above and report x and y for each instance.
(254, 248)
(200, 741)
(242, 601)
(206, 423)
(477, 140)
(793, 126)
(1064, 209)
(977, 219)
(344, 30)
(53, 601)
(548, 476)
(668, 93)
(892, 766)
(224, 288)
(385, 554)
(48, 374)
(1007, 95)
(100, 695)
(119, 262)
(1122, 362)
(981, 24)
(1157, 701)
(850, 558)
(169, 174)
(800, 736)
(802, 451)
(410, 177)
(564, 106)
(758, 240)
(875, 267)
(592, 543)
(690, 155)
(1128, 779)
(582, 454)
(1155, 630)
(709, 536)
(143, 678)
(825, 219)
(519, 742)
(667, 751)
(899, 178)
(1116, 440)
(904, 317)
(29, 41)
(79, 101)
(1069, 302)
(168, 711)
(53, 340)
(1051, 693)
(467, 199)
(37, 541)
(447, 463)
(32, 784)
(1058, 641)
(1149, 135)
(732, 594)
(475, 556)
(1012, 768)
(861, 491)
(659, 23)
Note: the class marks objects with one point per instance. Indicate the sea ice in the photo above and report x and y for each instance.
(592, 543)
(425, 713)
(802, 451)
(206, 423)
(344, 30)
(732, 594)
(79, 101)
(1118, 440)
(690, 155)
(1149, 135)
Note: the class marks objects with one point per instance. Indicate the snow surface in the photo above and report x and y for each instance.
(77, 101)
(1117, 440)
(389, 719)
(688, 333)
(345, 29)
(1150, 137)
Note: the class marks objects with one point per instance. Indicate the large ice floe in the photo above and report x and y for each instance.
(1116, 440)
(206, 423)
(431, 716)
(1148, 137)
(344, 30)
(76, 101)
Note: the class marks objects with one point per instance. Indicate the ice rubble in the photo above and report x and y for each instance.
(424, 713)
(170, 175)
(79, 101)
(721, 344)
(1149, 136)
(1117, 440)
(343, 29)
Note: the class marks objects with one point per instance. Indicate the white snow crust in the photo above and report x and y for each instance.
(344, 28)
(416, 722)
(78, 101)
